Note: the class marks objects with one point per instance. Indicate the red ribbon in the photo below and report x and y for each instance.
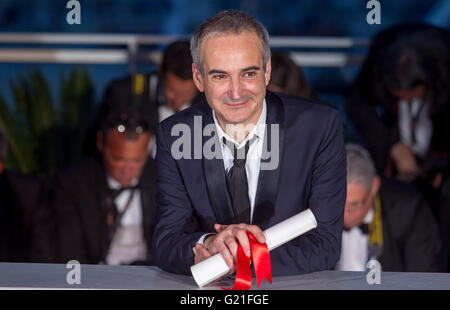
(261, 260)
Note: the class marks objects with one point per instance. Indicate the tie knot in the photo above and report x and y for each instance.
(118, 191)
(364, 227)
(239, 154)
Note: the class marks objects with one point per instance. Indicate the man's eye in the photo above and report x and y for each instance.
(250, 74)
(219, 76)
(138, 160)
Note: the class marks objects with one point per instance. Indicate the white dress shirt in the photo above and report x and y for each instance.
(420, 143)
(163, 112)
(128, 243)
(253, 162)
(355, 248)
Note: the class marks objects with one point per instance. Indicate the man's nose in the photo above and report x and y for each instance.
(235, 91)
(127, 169)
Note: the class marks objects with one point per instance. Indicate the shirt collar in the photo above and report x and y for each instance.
(258, 130)
(369, 217)
(113, 184)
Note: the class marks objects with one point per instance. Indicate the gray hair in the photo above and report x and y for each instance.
(225, 22)
(360, 166)
(3, 144)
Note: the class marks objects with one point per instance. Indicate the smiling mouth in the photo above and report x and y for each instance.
(236, 105)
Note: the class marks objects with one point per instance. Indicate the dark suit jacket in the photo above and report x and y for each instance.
(20, 197)
(192, 193)
(444, 220)
(80, 203)
(412, 241)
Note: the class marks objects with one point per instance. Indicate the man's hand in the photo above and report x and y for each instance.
(404, 159)
(227, 238)
(200, 252)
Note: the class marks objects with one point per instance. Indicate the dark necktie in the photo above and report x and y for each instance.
(237, 181)
(113, 216)
(364, 227)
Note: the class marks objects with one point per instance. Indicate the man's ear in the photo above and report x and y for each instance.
(375, 186)
(100, 141)
(268, 72)
(197, 77)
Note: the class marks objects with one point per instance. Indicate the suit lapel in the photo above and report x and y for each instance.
(95, 213)
(148, 196)
(214, 172)
(268, 180)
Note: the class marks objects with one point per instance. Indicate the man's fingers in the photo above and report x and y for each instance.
(204, 253)
(253, 229)
(232, 245)
(219, 228)
(257, 232)
(201, 253)
(228, 237)
(242, 238)
(227, 256)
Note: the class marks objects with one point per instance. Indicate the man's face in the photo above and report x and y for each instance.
(123, 158)
(177, 91)
(234, 81)
(359, 202)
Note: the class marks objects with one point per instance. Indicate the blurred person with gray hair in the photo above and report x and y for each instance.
(387, 220)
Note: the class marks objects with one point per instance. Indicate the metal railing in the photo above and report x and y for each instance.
(126, 49)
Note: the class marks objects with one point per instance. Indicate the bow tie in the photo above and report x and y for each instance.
(364, 227)
(116, 192)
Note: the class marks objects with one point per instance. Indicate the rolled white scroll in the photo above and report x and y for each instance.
(215, 267)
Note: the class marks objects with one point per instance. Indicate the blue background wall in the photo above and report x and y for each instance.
(282, 18)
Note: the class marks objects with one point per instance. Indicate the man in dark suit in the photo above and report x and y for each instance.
(444, 219)
(21, 197)
(104, 207)
(387, 220)
(209, 195)
(399, 105)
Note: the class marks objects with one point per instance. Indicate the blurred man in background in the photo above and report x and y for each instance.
(158, 94)
(386, 220)
(104, 207)
(20, 199)
(400, 104)
(287, 77)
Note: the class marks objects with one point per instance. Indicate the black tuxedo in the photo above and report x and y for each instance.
(81, 201)
(20, 197)
(410, 231)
